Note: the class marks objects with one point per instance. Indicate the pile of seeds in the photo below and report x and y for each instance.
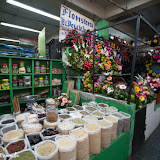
(79, 133)
(90, 119)
(78, 121)
(13, 134)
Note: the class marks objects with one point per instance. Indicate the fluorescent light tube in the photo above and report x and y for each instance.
(32, 9)
(19, 27)
(11, 40)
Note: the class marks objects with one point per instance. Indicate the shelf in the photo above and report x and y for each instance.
(6, 104)
(4, 89)
(41, 86)
(57, 73)
(4, 74)
(40, 73)
(19, 74)
(57, 85)
(21, 88)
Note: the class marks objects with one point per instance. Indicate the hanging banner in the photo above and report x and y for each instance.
(71, 19)
(28, 42)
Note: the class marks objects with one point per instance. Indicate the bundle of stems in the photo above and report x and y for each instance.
(16, 106)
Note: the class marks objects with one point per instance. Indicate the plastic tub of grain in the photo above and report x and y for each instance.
(26, 154)
(112, 109)
(78, 107)
(71, 109)
(94, 132)
(90, 109)
(15, 146)
(78, 122)
(63, 117)
(89, 119)
(106, 133)
(66, 147)
(32, 128)
(99, 115)
(65, 126)
(103, 105)
(84, 113)
(50, 133)
(126, 121)
(105, 111)
(81, 136)
(120, 122)
(2, 153)
(33, 138)
(8, 128)
(46, 150)
(86, 104)
(12, 135)
(113, 120)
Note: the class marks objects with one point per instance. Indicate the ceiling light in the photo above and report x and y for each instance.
(19, 27)
(11, 40)
(125, 42)
(151, 50)
(32, 9)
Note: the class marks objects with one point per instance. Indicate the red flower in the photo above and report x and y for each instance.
(69, 99)
(70, 62)
(72, 47)
(67, 37)
(81, 56)
(71, 56)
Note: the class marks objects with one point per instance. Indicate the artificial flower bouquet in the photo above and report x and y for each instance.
(87, 82)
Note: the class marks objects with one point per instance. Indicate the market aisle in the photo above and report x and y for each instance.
(151, 149)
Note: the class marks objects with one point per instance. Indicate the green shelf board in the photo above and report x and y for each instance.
(6, 104)
(57, 85)
(4, 74)
(19, 74)
(21, 88)
(57, 73)
(41, 86)
(40, 73)
(4, 89)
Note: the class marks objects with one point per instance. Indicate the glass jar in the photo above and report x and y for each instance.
(51, 110)
(35, 81)
(5, 84)
(14, 68)
(46, 81)
(15, 84)
(21, 64)
(37, 69)
(28, 70)
(20, 83)
(43, 69)
(41, 81)
(4, 69)
(15, 78)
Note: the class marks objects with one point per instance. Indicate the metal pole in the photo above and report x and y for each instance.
(134, 60)
(93, 59)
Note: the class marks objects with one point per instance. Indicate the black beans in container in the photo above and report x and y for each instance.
(8, 121)
(41, 115)
(78, 107)
(34, 139)
(50, 132)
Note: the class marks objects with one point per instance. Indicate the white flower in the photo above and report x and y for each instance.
(91, 52)
(109, 90)
(122, 86)
(76, 48)
(87, 55)
(70, 54)
(83, 45)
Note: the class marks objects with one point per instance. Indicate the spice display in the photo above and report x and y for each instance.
(16, 146)
(78, 107)
(82, 143)
(8, 121)
(65, 126)
(64, 116)
(46, 81)
(94, 132)
(34, 139)
(90, 119)
(20, 83)
(41, 115)
(90, 109)
(126, 122)
(13, 134)
(4, 68)
(43, 69)
(50, 132)
(5, 84)
(78, 121)
(41, 81)
(14, 68)
(67, 148)
(84, 113)
(70, 109)
(106, 132)
(114, 120)
(25, 155)
(102, 105)
(15, 84)
(112, 109)
(8, 128)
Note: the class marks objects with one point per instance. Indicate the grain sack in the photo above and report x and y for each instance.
(94, 132)
(113, 120)
(106, 133)
(81, 136)
(66, 147)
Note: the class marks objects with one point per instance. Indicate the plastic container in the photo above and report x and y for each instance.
(65, 127)
(2, 155)
(8, 128)
(35, 81)
(60, 116)
(100, 116)
(94, 137)
(90, 109)
(106, 133)
(15, 84)
(126, 121)
(4, 68)
(29, 70)
(37, 69)
(43, 69)
(82, 144)
(89, 119)
(54, 155)
(47, 124)
(5, 84)
(27, 81)
(3, 121)
(14, 68)
(103, 105)
(112, 109)
(78, 124)
(46, 81)
(41, 81)
(68, 152)
(71, 109)
(20, 83)
(28, 143)
(120, 122)
(25, 147)
(21, 64)
(113, 120)
(15, 78)
(37, 64)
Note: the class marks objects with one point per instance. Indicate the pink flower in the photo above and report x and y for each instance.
(138, 94)
(155, 89)
(83, 76)
(145, 87)
(89, 90)
(158, 61)
(120, 68)
(122, 86)
(84, 82)
(156, 51)
(62, 104)
(82, 79)
(86, 86)
(109, 78)
(146, 92)
(104, 87)
(145, 96)
(69, 101)
(65, 100)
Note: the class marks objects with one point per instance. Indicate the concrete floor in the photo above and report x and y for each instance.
(150, 150)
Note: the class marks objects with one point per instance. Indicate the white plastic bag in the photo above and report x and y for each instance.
(47, 124)
(89, 119)
(98, 117)
(2, 156)
(5, 118)
(32, 128)
(8, 128)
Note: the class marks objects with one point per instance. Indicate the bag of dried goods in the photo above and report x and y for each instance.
(106, 112)
(120, 122)
(37, 109)
(20, 118)
(102, 105)
(94, 132)
(71, 109)
(81, 136)
(79, 122)
(113, 120)
(112, 109)
(64, 117)
(16, 146)
(106, 132)
(75, 115)
(33, 138)
(32, 118)
(50, 133)
(47, 124)
(32, 128)
(84, 113)
(1, 142)
(90, 119)
(2, 153)
(12, 135)
(26, 154)
(90, 109)
(46, 150)
(67, 147)
(8, 128)
(65, 126)
(126, 121)
(99, 115)
(78, 107)
(7, 120)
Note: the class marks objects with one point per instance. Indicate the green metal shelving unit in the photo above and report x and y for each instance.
(53, 63)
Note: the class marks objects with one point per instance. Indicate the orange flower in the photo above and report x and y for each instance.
(137, 89)
(135, 83)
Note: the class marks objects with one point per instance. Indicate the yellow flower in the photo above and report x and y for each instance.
(142, 98)
(150, 71)
(132, 96)
(89, 85)
(155, 41)
(137, 89)
(154, 74)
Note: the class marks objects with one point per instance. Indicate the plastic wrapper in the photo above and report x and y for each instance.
(32, 128)
(99, 117)
(8, 128)
(47, 124)
(20, 118)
